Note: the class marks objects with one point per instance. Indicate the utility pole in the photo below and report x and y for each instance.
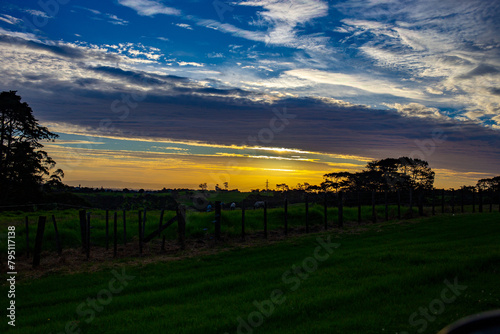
(267, 185)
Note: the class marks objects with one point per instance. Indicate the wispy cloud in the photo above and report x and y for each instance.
(451, 47)
(111, 18)
(149, 7)
(9, 19)
(35, 12)
(184, 25)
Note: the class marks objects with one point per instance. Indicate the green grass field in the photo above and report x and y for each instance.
(389, 278)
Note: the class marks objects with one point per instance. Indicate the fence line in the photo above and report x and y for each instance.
(385, 202)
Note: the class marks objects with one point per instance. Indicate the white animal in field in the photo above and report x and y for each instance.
(233, 206)
(259, 204)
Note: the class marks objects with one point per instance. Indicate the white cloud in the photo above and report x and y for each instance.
(358, 81)
(9, 19)
(186, 63)
(184, 25)
(35, 12)
(111, 18)
(450, 47)
(149, 7)
(415, 110)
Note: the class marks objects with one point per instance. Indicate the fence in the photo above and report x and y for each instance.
(381, 205)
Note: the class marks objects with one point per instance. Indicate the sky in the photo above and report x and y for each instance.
(162, 93)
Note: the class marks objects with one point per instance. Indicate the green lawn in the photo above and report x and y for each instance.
(381, 280)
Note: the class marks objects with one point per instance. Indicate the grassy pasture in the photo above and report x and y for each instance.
(377, 281)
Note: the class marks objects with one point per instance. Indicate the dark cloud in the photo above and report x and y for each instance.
(480, 70)
(59, 50)
(309, 125)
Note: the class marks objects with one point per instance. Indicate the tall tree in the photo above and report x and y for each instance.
(23, 165)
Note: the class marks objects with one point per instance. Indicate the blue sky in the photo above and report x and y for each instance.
(356, 80)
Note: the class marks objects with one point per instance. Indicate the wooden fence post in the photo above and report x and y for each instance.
(38, 241)
(325, 212)
(473, 200)
(140, 231)
(161, 218)
(411, 203)
(307, 214)
(58, 241)
(217, 219)
(399, 204)
(115, 233)
(491, 193)
(83, 228)
(433, 194)
(462, 200)
(243, 223)
(420, 202)
(181, 225)
(374, 212)
(359, 206)
(124, 227)
(480, 191)
(341, 210)
(286, 216)
(88, 235)
(107, 229)
(442, 200)
(265, 219)
(27, 238)
(386, 206)
(453, 201)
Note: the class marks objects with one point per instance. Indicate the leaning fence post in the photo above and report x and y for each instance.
(27, 238)
(217, 219)
(181, 225)
(58, 241)
(38, 241)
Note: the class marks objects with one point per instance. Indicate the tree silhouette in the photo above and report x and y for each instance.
(23, 165)
(385, 174)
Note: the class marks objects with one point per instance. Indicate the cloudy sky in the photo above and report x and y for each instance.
(154, 93)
